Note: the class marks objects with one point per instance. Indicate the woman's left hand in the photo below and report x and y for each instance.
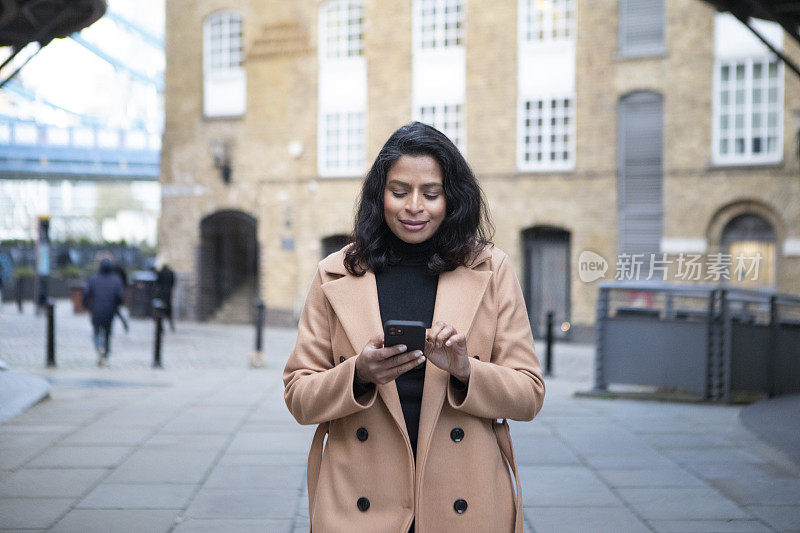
(447, 349)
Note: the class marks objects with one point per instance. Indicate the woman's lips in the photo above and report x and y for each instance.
(416, 226)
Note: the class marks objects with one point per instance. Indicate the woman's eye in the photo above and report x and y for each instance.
(398, 194)
(431, 196)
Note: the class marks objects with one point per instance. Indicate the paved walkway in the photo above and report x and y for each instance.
(208, 445)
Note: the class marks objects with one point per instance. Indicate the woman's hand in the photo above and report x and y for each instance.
(447, 349)
(376, 364)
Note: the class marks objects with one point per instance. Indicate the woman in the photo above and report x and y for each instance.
(413, 442)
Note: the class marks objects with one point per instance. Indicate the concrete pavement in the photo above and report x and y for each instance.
(208, 445)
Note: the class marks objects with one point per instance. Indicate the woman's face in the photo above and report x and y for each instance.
(413, 199)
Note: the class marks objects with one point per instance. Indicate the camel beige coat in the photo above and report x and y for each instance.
(341, 314)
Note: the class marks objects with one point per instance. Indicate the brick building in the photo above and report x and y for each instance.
(617, 127)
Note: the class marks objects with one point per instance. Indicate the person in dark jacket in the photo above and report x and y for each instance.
(103, 296)
(117, 269)
(165, 281)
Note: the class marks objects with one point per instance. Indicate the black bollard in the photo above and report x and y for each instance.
(257, 357)
(158, 316)
(51, 334)
(548, 360)
(19, 294)
(260, 326)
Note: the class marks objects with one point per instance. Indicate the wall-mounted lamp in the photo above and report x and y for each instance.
(222, 159)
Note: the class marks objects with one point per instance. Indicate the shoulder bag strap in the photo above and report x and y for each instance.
(315, 463)
(503, 435)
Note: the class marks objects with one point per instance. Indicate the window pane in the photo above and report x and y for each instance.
(223, 41)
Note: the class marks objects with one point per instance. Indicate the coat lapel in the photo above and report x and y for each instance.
(458, 295)
(355, 302)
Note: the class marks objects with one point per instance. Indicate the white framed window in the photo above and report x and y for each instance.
(439, 23)
(546, 133)
(224, 82)
(447, 118)
(223, 41)
(341, 29)
(748, 110)
(342, 147)
(547, 21)
(342, 90)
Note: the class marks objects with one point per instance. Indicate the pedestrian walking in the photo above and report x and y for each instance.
(123, 276)
(413, 438)
(103, 296)
(165, 282)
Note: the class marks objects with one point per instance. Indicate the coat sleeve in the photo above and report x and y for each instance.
(510, 385)
(316, 390)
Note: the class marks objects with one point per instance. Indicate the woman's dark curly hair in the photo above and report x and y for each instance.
(466, 228)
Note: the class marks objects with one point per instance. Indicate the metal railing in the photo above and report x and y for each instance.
(715, 341)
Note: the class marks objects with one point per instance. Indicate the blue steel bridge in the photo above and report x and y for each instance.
(90, 150)
(31, 150)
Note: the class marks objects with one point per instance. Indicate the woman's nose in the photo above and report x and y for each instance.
(414, 205)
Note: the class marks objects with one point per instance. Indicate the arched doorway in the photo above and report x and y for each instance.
(333, 243)
(750, 239)
(228, 265)
(546, 278)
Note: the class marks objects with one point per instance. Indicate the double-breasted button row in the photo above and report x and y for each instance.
(363, 504)
(362, 434)
(460, 506)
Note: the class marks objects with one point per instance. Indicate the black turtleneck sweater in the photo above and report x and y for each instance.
(407, 291)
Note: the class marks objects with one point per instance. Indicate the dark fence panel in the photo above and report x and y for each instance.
(668, 353)
(718, 342)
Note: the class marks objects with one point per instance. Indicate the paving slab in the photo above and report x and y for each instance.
(80, 456)
(234, 526)
(651, 477)
(583, 519)
(164, 466)
(118, 521)
(781, 518)
(562, 486)
(760, 491)
(709, 526)
(138, 496)
(31, 512)
(50, 482)
(275, 477)
(682, 503)
(243, 504)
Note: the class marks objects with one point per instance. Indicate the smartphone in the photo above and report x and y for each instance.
(408, 332)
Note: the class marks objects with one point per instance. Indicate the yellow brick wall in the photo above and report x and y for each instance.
(290, 201)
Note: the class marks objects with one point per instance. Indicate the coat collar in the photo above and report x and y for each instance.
(355, 302)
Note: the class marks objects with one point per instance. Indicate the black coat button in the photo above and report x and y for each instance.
(363, 504)
(460, 506)
(342, 359)
(476, 357)
(362, 434)
(457, 434)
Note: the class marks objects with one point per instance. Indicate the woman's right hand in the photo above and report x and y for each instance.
(379, 365)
